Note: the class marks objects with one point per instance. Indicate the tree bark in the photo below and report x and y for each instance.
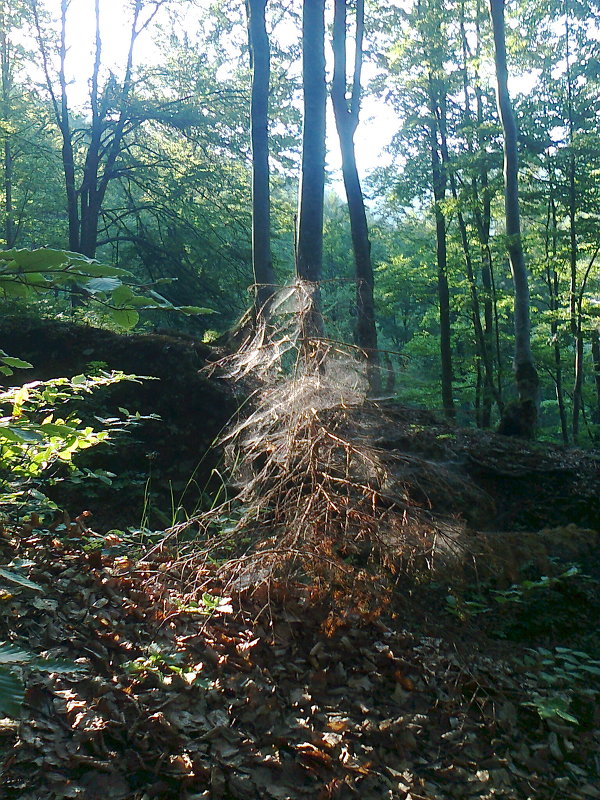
(489, 389)
(552, 282)
(438, 179)
(309, 242)
(6, 80)
(575, 318)
(346, 120)
(596, 360)
(526, 377)
(264, 275)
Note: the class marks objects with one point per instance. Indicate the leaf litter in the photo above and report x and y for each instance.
(243, 704)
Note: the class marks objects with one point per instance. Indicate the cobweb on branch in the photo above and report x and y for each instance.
(312, 500)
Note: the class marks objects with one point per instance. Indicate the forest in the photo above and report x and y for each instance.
(300, 396)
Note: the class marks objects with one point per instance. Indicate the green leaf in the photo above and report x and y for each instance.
(122, 295)
(13, 288)
(57, 665)
(96, 270)
(126, 318)
(39, 259)
(590, 669)
(15, 434)
(11, 694)
(13, 654)
(52, 429)
(196, 310)
(14, 577)
(17, 363)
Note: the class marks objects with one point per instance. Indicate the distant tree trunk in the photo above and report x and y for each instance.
(575, 318)
(482, 199)
(6, 80)
(309, 242)
(526, 376)
(264, 275)
(489, 389)
(552, 282)
(596, 360)
(61, 112)
(346, 120)
(438, 174)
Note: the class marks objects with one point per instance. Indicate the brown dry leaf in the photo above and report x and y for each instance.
(309, 753)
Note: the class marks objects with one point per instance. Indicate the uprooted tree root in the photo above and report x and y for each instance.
(316, 504)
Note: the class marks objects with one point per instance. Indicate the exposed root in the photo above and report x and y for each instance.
(316, 503)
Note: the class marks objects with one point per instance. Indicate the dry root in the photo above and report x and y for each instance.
(315, 503)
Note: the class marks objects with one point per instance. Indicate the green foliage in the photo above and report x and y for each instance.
(208, 605)
(27, 274)
(163, 664)
(480, 602)
(39, 429)
(560, 675)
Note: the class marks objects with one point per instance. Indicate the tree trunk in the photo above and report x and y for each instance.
(5, 69)
(552, 282)
(596, 360)
(346, 120)
(483, 217)
(309, 243)
(526, 376)
(439, 193)
(575, 318)
(489, 389)
(264, 275)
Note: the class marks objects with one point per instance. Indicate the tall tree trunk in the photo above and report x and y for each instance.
(438, 174)
(60, 106)
(309, 242)
(526, 376)
(90, 210)
(264, 275)
(6, 80)
(575, 318)
(346, 120)
(489, 389)
(596, 360)
(482, 198)
(552, 282)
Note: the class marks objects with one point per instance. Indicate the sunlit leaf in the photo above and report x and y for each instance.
(102, 285)
(127, 318)
(17, 363)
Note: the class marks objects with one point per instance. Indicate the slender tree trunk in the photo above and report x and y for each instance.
(264, 275)
(89, 208)
(483, 215)
(64, 124)
(6, 80)
(575, 318)
(596, 360)
(309, 242)
(346, 120)
(552, 282)
(438, 174)
(60, 106)
(489, 389)
(526, 376)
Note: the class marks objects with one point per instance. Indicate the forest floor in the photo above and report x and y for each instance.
(477, 683)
